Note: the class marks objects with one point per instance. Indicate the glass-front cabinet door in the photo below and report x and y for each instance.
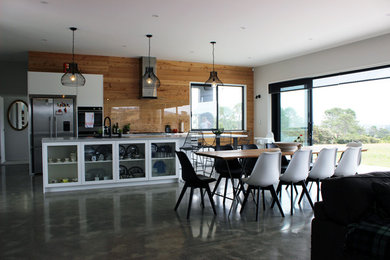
(62, 164)
(98, 163)
(163, 159)
(132, 163)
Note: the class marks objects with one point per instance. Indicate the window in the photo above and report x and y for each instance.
(217, 107)
(336, 109)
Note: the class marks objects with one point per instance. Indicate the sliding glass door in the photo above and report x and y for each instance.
(291, 112)
(294, 116)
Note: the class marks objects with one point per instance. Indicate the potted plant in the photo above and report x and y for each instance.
(218, 131)
(126, 128)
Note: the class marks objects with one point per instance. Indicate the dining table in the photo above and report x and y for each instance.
(255, 153)
(235, 138)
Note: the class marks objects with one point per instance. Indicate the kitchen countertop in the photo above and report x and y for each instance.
(125, 137)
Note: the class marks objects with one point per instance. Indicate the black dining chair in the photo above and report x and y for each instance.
(193, 180)
(223, 171)
(248, 163)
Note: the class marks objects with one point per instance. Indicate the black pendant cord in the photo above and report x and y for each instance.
(213, 43)
(149, 53)
(73, 47)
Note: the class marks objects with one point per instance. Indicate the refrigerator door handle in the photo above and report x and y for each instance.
(55, 123)
(50, 128)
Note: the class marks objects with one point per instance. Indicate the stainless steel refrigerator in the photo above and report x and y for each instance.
(51, 117)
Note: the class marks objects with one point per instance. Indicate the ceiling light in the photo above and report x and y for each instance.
(213, 79)
(72, 76)
(150, 79)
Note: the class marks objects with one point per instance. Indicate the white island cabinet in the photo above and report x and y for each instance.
(90, 163)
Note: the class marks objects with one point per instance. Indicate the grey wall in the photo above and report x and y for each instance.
(364, 54)
(14, 86)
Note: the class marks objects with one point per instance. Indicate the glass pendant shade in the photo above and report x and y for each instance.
(150, 79)
(73, 77)
(213, 79)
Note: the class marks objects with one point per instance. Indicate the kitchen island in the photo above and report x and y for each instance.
(89, 163)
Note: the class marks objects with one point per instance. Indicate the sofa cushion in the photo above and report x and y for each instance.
(382, 197)
(349, 199)
(369, 238)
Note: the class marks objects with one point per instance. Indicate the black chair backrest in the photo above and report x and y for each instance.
(249, 163)
(220, 164)
(187, 171)
(285, 162)
(270, 145)
(249, 146)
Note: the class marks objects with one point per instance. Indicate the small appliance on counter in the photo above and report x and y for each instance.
(167, 129)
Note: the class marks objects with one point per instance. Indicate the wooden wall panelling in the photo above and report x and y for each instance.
(122, 80)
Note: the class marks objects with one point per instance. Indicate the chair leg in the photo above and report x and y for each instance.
(301, 197)
(216, 185)
(181, 196)
(292, 199)
(224, 193)
(211, 199)
(245, 198)
(262, 193)
(278, 191)
(318, 190)
(307, 194)
(201, 197)
(257, 204)
(275, 198)
(189, 203)
(296, 190)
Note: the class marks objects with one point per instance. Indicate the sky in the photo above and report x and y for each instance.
(369, 99)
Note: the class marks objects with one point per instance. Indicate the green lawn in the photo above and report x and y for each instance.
(377, 155)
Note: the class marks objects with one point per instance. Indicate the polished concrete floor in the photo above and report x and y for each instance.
(140, 223)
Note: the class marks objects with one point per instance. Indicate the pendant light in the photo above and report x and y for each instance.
(213, 79)
(72, 76)
(150, 79)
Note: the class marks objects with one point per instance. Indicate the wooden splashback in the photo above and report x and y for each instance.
(122, 84)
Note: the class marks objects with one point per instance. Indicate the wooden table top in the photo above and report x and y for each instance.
(254, 153)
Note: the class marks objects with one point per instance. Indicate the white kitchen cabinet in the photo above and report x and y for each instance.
(86, 163)
(49, 83)
(61, 165)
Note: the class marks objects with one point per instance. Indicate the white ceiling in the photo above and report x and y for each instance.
(247, 32)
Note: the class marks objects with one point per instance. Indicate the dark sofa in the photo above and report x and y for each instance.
(349, 201)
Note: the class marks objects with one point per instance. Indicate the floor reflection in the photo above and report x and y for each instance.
(139, 222)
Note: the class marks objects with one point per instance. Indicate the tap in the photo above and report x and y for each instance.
(107, 130)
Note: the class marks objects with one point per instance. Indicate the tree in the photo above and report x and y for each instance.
(342, 123)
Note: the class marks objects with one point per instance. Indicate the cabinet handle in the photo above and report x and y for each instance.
(50, 128)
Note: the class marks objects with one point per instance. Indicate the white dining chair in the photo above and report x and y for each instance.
(323, 168)
(349, 162)
(356, 144)
(264, 176)
(296, 174)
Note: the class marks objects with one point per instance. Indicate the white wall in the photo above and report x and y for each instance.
(364, 54)
(16, 142)
(13, 87)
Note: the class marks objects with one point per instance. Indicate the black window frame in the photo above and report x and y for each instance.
(243, 121)
(276, 88)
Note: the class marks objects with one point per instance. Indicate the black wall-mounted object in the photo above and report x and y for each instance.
(257, 96)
